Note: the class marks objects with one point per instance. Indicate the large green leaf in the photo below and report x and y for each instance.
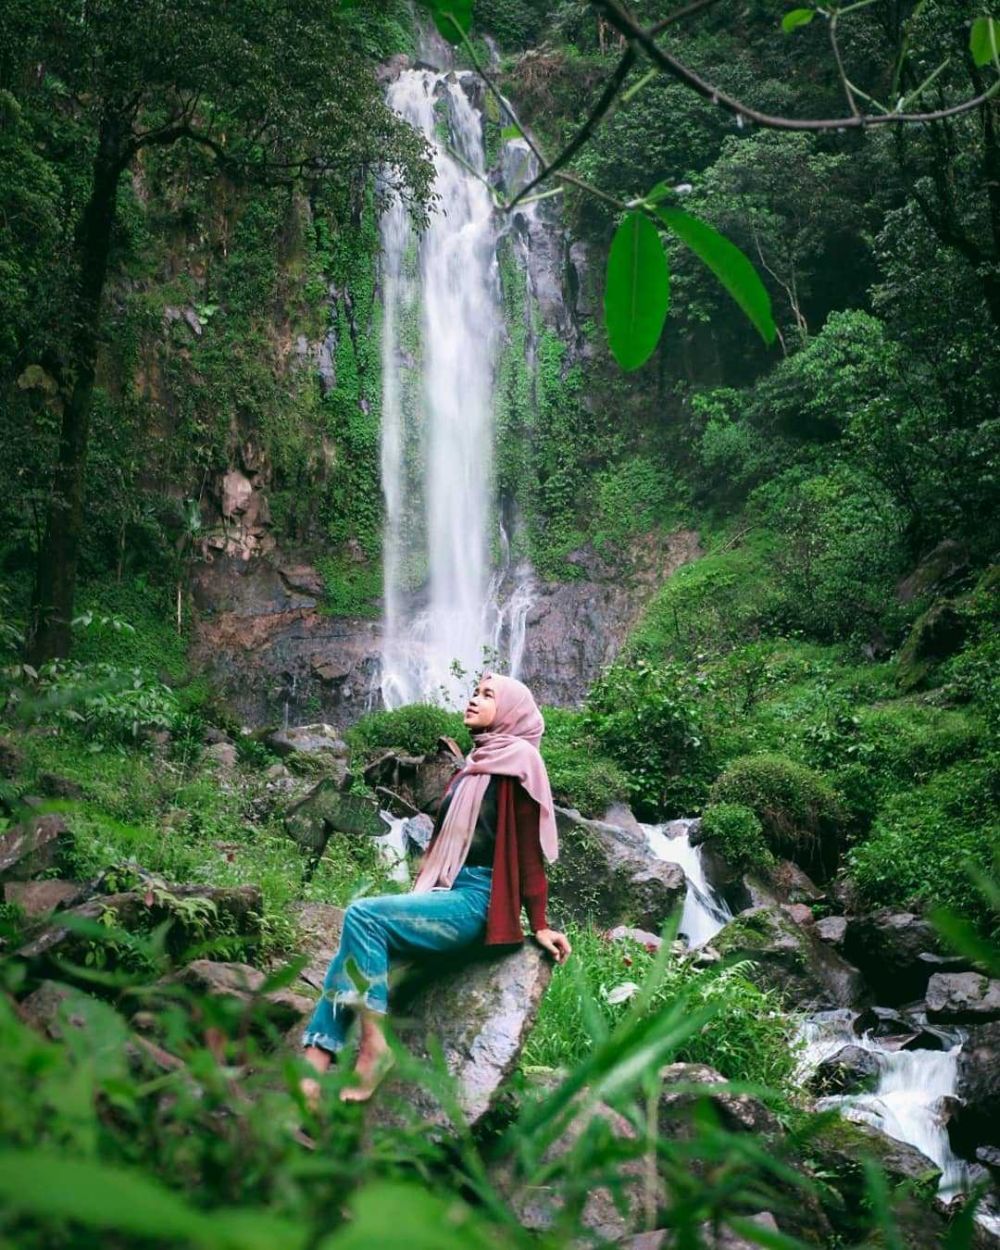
(51, 1187)
(453, 18)
(637, 291)
(796, 18)
(984, 40)
(729, 265)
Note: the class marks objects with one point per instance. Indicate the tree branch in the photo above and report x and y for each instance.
(638, 35)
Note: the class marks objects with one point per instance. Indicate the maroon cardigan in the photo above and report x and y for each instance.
(518, 869)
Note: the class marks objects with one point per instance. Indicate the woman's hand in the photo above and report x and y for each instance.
(555, 943)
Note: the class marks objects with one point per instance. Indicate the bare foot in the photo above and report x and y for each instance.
(374, 1059)
(311, 1088)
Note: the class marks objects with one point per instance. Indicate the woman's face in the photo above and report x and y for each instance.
(482, 709)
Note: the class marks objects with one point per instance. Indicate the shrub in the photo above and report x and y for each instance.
(922, 838)
(414, 728)
(580, 775)
(801, 814)
(648, 718)
(738, 834)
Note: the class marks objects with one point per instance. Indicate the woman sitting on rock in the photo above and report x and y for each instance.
(484, 860)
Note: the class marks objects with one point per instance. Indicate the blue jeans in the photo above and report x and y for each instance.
(376, 929)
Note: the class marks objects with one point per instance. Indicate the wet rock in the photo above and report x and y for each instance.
(963, 997)
(832, 930)
(32, 847)
(809, 974)
(318, 739)
(843, 1143)
(850, 1068)
(610, 875)
(39, 898)
(887, 946)
(538, 1206)
(978, 1085)
(325, 810)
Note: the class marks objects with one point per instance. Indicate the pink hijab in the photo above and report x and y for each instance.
(508, 747)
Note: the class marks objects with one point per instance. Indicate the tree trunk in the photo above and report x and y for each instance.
(55, 576)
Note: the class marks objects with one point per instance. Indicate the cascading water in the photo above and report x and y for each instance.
(705, 910)
(441, 323)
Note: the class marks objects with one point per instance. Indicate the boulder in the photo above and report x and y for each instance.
(327, 809)
(832, 930)
(479, 1004)
(934, 636)
(609, 875)
(977, 1123)
(678, 1100)
(887, 946)
(222, 755)
(11, 758)
(709, 1237)
(282, 1008)
(538, 1206)
(848, 1069)
(32, 847)
(38, 898)
(963, 997)
(842, 1143)
(237, 909)
(319, 739)
(808, 973)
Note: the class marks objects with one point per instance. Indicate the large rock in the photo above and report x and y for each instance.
(687, 1084)
(39, 898)
(327, 809)
(810, 975)
(237, 909)
(479, 1004)
(609, 875)
(963, 998)
(848, 1069)
(32, 847)
(935, 635)
(243, 983)
(538, 1206)
(977, 1123)
(319, 739)
(892, 949)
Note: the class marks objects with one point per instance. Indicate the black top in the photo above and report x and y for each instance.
(484, 835)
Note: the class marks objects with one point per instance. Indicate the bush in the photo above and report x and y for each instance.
(580, 775)
(922, 838)
(649, 720)
(801, 814)
(414, 729)
(738, 834)
(748, 1039)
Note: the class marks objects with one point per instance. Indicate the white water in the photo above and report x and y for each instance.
(905, 1101)
(440, 331)
(705, 911)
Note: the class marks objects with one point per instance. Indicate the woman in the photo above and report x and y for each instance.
(484, 860)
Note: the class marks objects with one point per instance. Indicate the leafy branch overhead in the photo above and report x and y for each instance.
(637, 291)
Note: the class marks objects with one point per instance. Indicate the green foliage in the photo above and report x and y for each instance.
(747, 1037)
(636, 496)
(636, 291)
(801, 814)
(648, 718)
(350, 589)
(738, 834)
(925, 836)
(580, 774)
(413, 729)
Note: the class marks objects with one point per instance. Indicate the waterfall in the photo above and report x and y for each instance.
(439, 333)
(705, 911)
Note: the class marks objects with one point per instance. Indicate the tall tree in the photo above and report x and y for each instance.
(278, 91)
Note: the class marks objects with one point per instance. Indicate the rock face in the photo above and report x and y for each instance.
(895, 951)
(481, 1006)
(809, 974)
(978, 1085)
(261, 637)
(610, 875)
(963, 998)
